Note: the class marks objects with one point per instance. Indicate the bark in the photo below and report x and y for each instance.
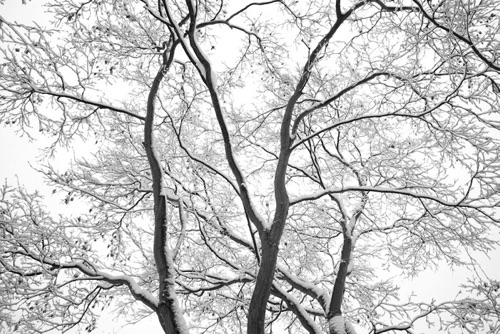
(263, 284)
(169, 312)
(270, 239)
(339, 286)
(337, 323)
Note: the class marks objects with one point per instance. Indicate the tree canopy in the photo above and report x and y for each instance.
(255, 166)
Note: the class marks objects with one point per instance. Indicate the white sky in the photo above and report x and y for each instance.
(18, 153)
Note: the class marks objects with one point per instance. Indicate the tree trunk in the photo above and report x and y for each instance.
(263, 284)
(169, 312)
(270, 240)
(337, 324)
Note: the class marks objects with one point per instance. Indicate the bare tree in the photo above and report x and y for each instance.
(258, 165)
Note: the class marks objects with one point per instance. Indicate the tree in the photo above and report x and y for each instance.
(258, 165)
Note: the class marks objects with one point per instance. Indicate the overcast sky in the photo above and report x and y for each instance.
(18, 154)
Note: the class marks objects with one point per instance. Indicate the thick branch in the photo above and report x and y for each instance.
(308, 288)
(208, 77)
(458, 36)
(168, 309)
(296, 307)
(398, 191)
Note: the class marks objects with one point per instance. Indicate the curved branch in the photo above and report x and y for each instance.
(397, 191)
(326, 102)
(89, 269)
(98, 105)
(296, 307)
(457, 35)
(170, 317)
(305, 287)
(205, 69)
